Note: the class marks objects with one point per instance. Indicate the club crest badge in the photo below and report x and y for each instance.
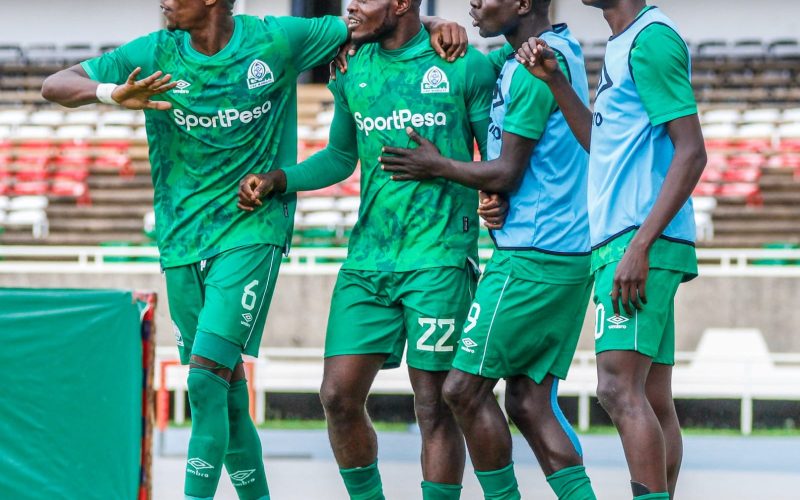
(259, 75)
(435, 82)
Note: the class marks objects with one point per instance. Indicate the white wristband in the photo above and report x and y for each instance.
(104, 91)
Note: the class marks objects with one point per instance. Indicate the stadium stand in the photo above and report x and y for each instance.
(91, 164)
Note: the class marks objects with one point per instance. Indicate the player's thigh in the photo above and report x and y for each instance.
(362, 319)
(645, 330)
(185, 300)
(435, 303)
(238, 290)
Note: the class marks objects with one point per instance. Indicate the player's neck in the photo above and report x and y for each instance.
(213, 36)
(623, 14)
(530, 26)
(407, 28)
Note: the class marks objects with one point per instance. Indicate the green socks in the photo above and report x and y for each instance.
(244, 461)
(363, 483)
(208, 399)
(440, 491)
(499, 484)
(653, 496)
(572, 483)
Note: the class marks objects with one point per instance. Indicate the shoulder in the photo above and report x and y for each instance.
(659, 37)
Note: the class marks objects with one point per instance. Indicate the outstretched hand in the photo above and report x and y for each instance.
(538, 58)
(136, 94)
(421, 163)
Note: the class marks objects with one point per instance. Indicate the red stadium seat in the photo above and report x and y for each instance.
(119, 162)
(706, 189)
(742, 175)
(749, 191)
(790, 144)
(71, 189)
(747, 160)
(711, 174)
(785, 161)
(29, 188)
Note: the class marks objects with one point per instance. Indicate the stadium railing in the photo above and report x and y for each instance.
(123, 259)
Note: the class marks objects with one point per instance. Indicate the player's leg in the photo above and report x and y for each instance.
(534, 410)
(626, 347)
(659, 389)
(244, 460)
(659, 393)
(479, 416)
(443, 453)
(345, 386)
(435, 302)
(364, 329)
(238, 286)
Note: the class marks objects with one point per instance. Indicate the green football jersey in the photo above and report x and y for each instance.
(233, 113)
(405, 226)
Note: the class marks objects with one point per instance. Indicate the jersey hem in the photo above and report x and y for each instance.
(673, 115)
(193, 260)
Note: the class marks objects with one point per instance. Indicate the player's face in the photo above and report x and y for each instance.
(183, 14)
(370, 20)
(494, 17)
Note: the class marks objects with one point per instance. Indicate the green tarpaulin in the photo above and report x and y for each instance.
(70, 394)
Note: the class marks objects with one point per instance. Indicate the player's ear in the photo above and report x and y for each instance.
(525, 7)
(404, 6)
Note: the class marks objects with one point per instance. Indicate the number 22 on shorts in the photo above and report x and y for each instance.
(432, 324)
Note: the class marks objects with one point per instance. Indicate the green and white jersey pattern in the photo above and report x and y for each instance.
(406, 226)
(232, 113)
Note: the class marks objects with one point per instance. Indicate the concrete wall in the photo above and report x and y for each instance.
(298, 315)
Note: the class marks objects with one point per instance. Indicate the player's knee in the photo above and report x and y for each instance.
(205, 392)
(459, 394)
(338, 401)
(615, 396)
(430, 409)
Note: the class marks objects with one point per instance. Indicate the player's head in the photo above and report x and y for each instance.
(373, 20)
(188, 14)
(500, 17)
(601, 4)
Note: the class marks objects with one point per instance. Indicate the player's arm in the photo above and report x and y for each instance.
(501, 175)
(538, 58)
(72, 87)
(333, 164)
(660, 67)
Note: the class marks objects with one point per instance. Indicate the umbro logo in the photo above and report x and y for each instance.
(246, 319)
(618, 322)
(199, 463)
(178, 336)
(435, 82)
(240, 477)
(467, 344)
(198, 467)
(181, 87)
(362, 85)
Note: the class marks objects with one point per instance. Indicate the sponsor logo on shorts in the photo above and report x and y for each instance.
(198, 466)
(259, 75)
(435, 82)
(467, 344)
(178, 336)
(618, 322)
(243, 477)
(181, 87)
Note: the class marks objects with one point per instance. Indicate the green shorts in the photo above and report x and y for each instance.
(375, 312)
(521, 326)
(219, 305)
(650, 331)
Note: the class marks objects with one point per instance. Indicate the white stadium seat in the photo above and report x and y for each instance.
(49, 117)
(36, 219)
(27, 203)
(74, 132)
(724, 116)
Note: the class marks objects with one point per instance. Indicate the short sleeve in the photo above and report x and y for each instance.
(313, 41)
(499, 56)
(530, 105)
(115, 66)
(659, 62)
(480, 82)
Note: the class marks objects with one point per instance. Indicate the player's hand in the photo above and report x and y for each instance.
(136, 94)
(415, 164)
(493, 209)
(538, 58)
(448, 39)
(252, 188)
(348, 49)
(630, 279)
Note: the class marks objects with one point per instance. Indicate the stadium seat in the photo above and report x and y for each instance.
(10, 54)
(149, 224)
(748, 49)
(784, 49)
(4, 202)
(28, 203)
(747, 191)
(755, 137)
(723, 116)
(13, 117)
(82, 117)
(746, 160)
(316, 204)
(74, 132)
(348, 204)
(5, 132)
(70, 188)
(47, 117)
(29, 188)
(791, 115)
(704, 226)
(119, 117)
(742, 175)
(34, 132)
(761, 115)
(789, 136)
(35, 219)
(114, 132)
(706, 189)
